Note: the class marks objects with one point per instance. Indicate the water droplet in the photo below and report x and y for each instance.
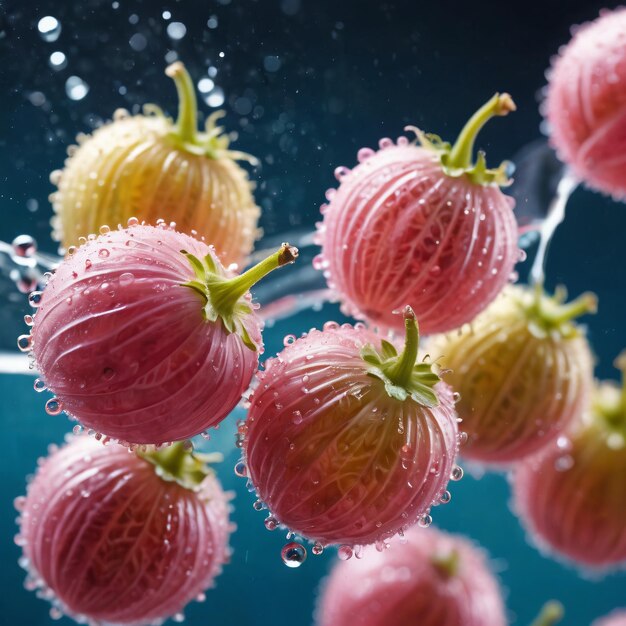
(456, 397)
(521, 256)
(345, 552)
(457, 473)
(317, 548)
(29, 320)
(24, 246)
(132, 221)
(54, 406)
(241, 470)
(78, 429)
(76, 88)
(24, 342)
(446, 496)
(49, 28)
(104, 229)
(176, 30)
(330, 326)
(39, 385)
(271, 523)
(34, 299)
(258, 505)
(425, 521)
(288, 340)
(103, 253)
(296, 417)
(293, 554)
(341, 172)
(462, 438)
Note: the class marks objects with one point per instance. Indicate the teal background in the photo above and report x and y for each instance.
(351, 72)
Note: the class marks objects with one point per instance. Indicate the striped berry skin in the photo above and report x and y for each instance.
(586, 103)
(334, 457)
(108, 539)
(572, 497)
(523, 371)
(144, 337)
(432, 579)
(411, 225)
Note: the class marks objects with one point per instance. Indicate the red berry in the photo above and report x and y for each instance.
(617, 618)
(111, 536)
(586, 103)
(572, 496)
(432, 579)
(523, 372)
(144, 342)
(420, 225)
(348, 442)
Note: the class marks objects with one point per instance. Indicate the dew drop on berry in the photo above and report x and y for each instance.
(54, 406)
(24, 342)
(34, 299)
(457, 473)
(241, 470)
(293, 554)
(271, 523)
(363, 154)
(127, 278)
(317, 548)
(39, 385)
(445, 497)
(288, 340)
(425, 521)
(345, 552)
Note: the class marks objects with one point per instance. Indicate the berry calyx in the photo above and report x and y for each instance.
(179, 463)
(549, 314)
(225, 297)
(457, 159)
(403, 376)
(551, 613)
(447, 564)
(212, 142)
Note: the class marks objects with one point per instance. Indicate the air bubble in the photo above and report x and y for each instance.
(425, 521)
(345, 552)
(293, 554)
(54, 406)
(34, 299)
(445, 497)
(76, 88)
(258, 505)
(385, 143)
(39, 385)
(104, 229)
(288, 340)
(462, 438)
(241, 470)
(49, 28)
(317, 548)
(25, 342)
(456, 397)
(24, 246)
(297, 417)
(132, 221)
(457, 473)
(341, 172)
(271, 523)
(364, 153)
(104, 253)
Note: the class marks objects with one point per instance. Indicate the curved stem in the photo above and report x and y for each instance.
(463, 149)
(400, 373)
(226, 293)
(187, 103)
(551, 613)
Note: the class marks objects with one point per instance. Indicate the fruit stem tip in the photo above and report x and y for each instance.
(551, 613)
(400, 373)
(187, 103)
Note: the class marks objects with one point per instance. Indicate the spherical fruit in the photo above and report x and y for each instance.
(420, 225)
(434, 579)
(617, 618)
(346, 441)
(572, 496)
(523, 370)
(148, 167)
(111, 536)
(144, 342)
(586, 103)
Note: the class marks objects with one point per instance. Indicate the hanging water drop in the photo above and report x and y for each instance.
(293, 554)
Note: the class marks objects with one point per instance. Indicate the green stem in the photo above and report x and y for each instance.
(400, 373)
(448, 565)
(551, 613)
(187, 103)
(463, 149)
(558, 314)
(226, 293)
(620, 364)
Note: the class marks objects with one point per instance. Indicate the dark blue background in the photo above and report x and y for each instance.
(351, 72)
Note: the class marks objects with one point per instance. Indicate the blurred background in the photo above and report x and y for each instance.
(305, 84)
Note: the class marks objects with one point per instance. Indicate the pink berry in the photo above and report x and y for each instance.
(423, 226)
(572, 496)
(523, 372)
(586, 103)
(434, 579)
(617, 618)
(348, 442)
(111, 536)
(145, 337)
